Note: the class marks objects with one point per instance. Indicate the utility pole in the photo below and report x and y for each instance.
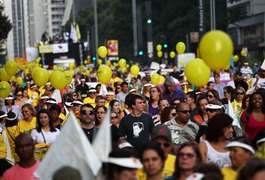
(135, 42)
(96, 27)
(212, 12)
(149, 29)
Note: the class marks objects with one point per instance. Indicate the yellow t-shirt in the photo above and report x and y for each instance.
(229, 173)
(2, 148)
(24, 126)
(168, 170)
(89, 100)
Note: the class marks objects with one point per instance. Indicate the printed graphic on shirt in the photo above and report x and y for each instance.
(137, 128)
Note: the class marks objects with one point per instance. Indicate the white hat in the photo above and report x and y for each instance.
(83, 79)
(11, 116)
(246, 63)
(9, 98)
(184, 83)
(147, 84)
(213, 106)
(68, 104)
(44, 97)
(51, 101)
(124, 145)
(263, 65)
(260, 140)
(128, 162)
(240, 144)
(195, 176)
(132, 90)
(92, 90)
(78, 102)
(111, 93)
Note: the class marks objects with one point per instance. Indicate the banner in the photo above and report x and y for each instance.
(112, 46)
(31, 54)
(60, 48)
(45, 49)
(73, 149)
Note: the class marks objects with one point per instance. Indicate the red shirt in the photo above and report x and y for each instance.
(253, 126)
(19, 173)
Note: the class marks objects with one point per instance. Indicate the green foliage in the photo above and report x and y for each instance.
(5, 25)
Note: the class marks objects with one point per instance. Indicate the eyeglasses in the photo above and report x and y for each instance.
(210, 96)
(86, 112)
(185, 111)
(211, 110)
(174, 114)
(166, 145)
(114, 117)
(188, 155)
(238, 93)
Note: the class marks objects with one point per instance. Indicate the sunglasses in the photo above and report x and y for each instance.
(19, 94)
(185, 111)
(211, 110)
(188, 155)
(238, 93)
(166, 145)
(173, 114)
(86, 112)
(210, 96)
(114, 117)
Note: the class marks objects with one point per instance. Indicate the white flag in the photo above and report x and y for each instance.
(231, 113)
(73, 35)
(71, 148)
(103, 90)
(57, 96)
(102, 142)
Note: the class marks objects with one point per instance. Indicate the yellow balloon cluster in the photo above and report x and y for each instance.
(216, 49)
(104, 74)
(197, 72)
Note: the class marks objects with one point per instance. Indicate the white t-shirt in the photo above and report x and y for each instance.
(50, 137)
(260, 83)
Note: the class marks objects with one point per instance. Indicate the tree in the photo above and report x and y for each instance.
(5, 25)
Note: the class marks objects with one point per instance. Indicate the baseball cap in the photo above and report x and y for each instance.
(161, 131)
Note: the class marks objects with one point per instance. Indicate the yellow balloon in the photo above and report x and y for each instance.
(72, 65)
(122, 63)
(127, 66)
(181, 62)
(34, 70)
(4, 76)
(87, 73)
(108, 62)
(124, 69)
(159, 54)
(134, 70)
(115, 64)
(99, 61)
(172, 54)
(40, 77)
(38, 60)
(104, 74)
(20, 80)
(161, 79)
(68, 77)
(102, 51)
(85, 61)
(82, 68)
(197, 72)
(11, 68)
(180, 47)
(13, 79)
(159, 47)
(216, 49)
(155, 78)
(243, 53)
(236, 58)
(5, 89)
(57, 79)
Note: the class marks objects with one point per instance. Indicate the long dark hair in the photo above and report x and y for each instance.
(39, 126)
(250, 105)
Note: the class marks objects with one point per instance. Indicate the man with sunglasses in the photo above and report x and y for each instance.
(182, 129)
(87, 119)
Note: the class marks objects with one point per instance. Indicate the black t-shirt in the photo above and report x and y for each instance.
(89, 133)
(136, 129)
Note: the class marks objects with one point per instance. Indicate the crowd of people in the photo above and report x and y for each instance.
(167, 131)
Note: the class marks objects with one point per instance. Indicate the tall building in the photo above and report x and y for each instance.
(247, 24)
(31, 18)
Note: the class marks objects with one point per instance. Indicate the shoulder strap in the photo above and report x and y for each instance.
(43, 136)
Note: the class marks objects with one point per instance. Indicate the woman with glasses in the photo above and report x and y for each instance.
(188, 159)
(253, 119)
(29, 121)
(115, 122)
(212, 94)
(18, 98)
(237, 103)
(45, 132)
